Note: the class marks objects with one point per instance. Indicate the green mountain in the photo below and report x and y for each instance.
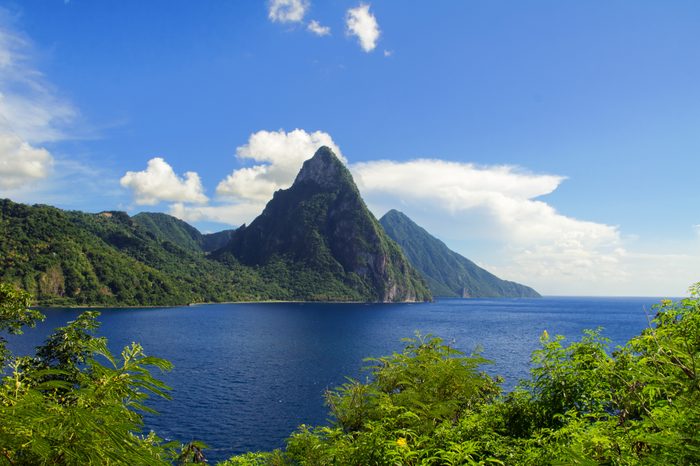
(447, 273)
(74, 258)
(318, 241)
(314, 241)
(168, 228)
(213, 241)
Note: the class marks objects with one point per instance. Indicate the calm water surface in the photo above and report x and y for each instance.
(247, 374)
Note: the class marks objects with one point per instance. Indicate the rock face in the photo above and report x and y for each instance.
(321, 233)
(447, 273)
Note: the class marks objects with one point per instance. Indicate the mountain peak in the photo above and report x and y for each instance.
(324, 169)
(447, 273)
(323, 234)
(397, 214)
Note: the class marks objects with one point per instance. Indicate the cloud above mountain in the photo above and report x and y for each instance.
(278, 156)
(158, 183)
(499, 208)
(20, 162)
(498, 204)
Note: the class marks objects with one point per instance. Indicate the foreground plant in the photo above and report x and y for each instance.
(73, 402)
(581, 405)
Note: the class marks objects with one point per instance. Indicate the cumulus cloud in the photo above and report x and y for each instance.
(20, 162)
(30, 112)
(362, 24)
(316, 28)
(287, 11)
(158, 182)
(279, 155)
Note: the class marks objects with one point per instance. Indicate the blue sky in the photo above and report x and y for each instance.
(555, 143)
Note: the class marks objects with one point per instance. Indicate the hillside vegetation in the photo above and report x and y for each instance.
(74, 258)
(446, 272)
(75, 403)
(316, 241)
(168, 228)
(321, 230)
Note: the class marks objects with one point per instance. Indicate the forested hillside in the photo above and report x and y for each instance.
(447, 273)
(319, 240)
(168, 228)
(316, 241)
(74, 258)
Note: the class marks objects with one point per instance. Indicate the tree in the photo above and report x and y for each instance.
(73, 402)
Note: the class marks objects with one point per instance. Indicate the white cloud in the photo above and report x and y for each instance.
(499, 205)
(30, 113)
(244, 193)
(20, 162)
(160, 183)
(362, 24)
(230, 214)
(287, 11)
(316, 28)
(281, 155)
(388, 53)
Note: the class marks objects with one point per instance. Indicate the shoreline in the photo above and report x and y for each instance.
(167, 306)
(282, 301)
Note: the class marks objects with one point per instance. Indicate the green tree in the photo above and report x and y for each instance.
(405, 413)
(73, 402)
(14, 314)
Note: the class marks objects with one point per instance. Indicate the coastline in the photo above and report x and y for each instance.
(167, 306)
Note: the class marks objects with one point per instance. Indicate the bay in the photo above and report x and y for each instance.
(246, 375)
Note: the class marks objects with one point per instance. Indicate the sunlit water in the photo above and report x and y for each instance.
(247, 374)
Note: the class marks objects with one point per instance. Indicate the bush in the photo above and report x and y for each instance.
(74, 403)
(581, 405)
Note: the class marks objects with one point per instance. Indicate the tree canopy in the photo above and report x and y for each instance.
(73, 402)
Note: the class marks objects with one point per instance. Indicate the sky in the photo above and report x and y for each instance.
(555, 143)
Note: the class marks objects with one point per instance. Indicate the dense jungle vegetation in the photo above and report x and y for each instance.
(66, 258)
(75, 403)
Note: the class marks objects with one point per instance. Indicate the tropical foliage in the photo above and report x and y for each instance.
(73, 402)
(582, 405)
(66, 258)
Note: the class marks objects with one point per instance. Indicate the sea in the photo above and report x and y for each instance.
(247, 375)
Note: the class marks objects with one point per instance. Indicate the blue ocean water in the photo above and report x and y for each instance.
(246, 375)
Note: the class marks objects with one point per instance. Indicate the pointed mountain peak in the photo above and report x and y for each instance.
(396, 214)
(324, 169)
